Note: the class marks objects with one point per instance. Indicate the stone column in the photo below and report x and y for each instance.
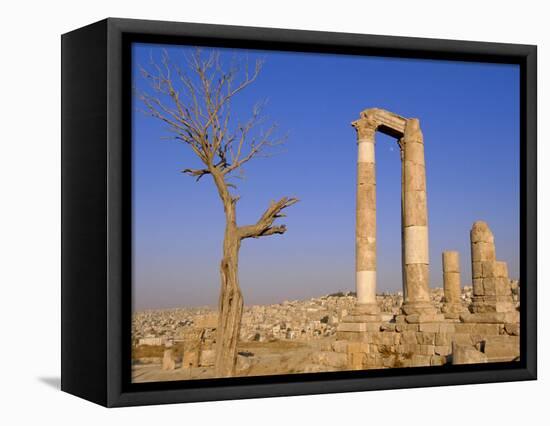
(365, 227)
(451, 284)
(415, 222)
(491, 284)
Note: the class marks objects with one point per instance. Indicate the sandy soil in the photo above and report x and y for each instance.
(255, 359)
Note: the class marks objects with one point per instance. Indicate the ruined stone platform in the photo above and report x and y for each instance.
(408, 344)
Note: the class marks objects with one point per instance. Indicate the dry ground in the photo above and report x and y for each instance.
(255, 359)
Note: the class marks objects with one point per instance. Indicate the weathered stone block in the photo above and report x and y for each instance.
(388, 327)
(340, 346)
(451, 261)
(404, 362)
(418, 360)
(414, 152)
(488, 267)
(366, 151)
(412, 327)
(463, 328)
(491, 317)
(366, 173)
(512, 329)
(353, 327)
(366, 312)
(478, 286)
(425, 338)
(426, 349)
(373, 348)
(465, 354)
(429, 327)
(492, 306)
(415, 304)
(416, 206)
(405, 348)
(366, 226)
(442, 350)
(442, 339)
(477, 270)
(400, 319)
(416, 259)
(452, 287)
(505, 306)
(503, 339)
(436, 360)
(494, 269)
(356, 360)
(413, 318)
(476, 339)
(207, 358)
(408, 337)
(385, 338)
(353, 347)
(331, 359)
(371, 322)
(461, 338)
(481, 232)
(447, 328)
(424, 319)
(450, 313)
(483, 251)
(503, 287)
(414, 176)
(389, 361)
(484, 329)
(244, 363)
(501, 350)
(373, 360)
(365, 258)
(501, 270)
(497, 287)
(314, 368)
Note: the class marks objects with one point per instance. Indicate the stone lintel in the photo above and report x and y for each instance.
(387, 122)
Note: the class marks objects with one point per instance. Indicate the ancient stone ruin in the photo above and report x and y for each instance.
(420, 326)
(451, 285)
(414, 211)
(421, 335)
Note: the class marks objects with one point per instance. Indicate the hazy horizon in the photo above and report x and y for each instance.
(469, 114)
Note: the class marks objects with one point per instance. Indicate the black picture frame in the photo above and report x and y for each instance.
(96, 211)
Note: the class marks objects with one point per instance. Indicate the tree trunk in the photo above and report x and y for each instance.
(230, 309)
(230, 302)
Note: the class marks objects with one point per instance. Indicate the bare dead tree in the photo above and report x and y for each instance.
(194, 102)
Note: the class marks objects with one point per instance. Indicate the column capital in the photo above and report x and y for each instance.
(365, 128)
(413, 132)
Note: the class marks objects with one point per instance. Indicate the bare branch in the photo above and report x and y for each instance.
(193, 99)
(264, 226)
(198, 173)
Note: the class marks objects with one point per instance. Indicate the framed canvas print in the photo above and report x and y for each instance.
(253, 212)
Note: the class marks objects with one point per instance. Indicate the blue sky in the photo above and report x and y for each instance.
(469, 114)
